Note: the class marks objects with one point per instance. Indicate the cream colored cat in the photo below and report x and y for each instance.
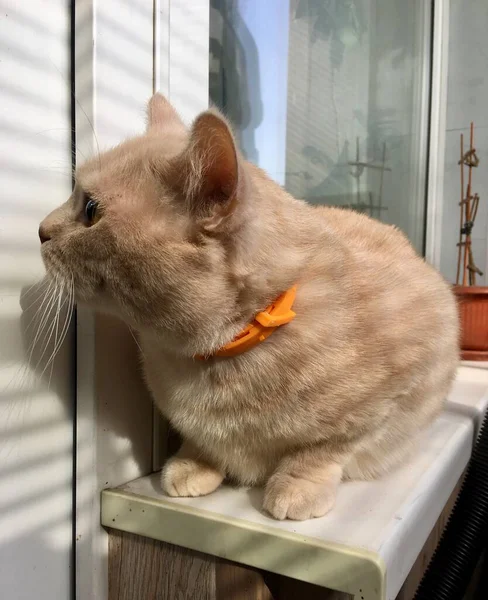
(178, 235)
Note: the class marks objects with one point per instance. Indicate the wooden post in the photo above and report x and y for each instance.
(468, 208)
(461, 204)
(467, 247)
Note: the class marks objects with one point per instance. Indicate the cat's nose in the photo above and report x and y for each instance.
(43, 235)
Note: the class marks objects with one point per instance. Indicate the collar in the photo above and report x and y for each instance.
(276, 314)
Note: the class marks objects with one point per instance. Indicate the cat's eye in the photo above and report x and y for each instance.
(91, 212)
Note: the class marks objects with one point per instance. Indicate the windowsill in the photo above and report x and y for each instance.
(366, 546)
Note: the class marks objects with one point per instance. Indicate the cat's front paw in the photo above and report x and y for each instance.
(297, 499)
(183, 477)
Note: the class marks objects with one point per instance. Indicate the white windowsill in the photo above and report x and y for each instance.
(366, 546)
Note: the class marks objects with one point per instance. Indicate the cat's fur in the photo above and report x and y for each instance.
(192, 242)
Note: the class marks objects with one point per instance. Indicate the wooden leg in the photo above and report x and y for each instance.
(145, 569)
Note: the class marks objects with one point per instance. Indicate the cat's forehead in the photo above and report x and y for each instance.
(120, 168)
(131, 153)
(128, 164)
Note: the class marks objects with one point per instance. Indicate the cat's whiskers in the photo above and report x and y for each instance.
(55, 341)
(68, 302)
(47, 294)
(63, 334)
(27, 292)
(22, 375)
(53, 325)
(48, 304)
(47, 341)
(41, 294)
(42, 333)
(137, 342)
(64, 299)
(57, 294)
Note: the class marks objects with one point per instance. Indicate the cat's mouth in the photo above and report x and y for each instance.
(57, 272)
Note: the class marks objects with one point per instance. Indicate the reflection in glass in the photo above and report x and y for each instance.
(331, 98)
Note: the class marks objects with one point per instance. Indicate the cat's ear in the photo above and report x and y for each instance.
(161, 115)
(209, 170)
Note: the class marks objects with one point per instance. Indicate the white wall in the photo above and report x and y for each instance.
(35, 414)
(467, 100)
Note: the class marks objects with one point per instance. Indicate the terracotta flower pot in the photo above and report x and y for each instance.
(473, 312)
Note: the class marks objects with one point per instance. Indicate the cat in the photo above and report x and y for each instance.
(176, 234)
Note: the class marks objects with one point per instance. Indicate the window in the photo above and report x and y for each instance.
(331, 98)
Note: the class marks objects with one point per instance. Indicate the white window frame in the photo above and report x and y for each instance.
(437, 132)
(176, 62)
